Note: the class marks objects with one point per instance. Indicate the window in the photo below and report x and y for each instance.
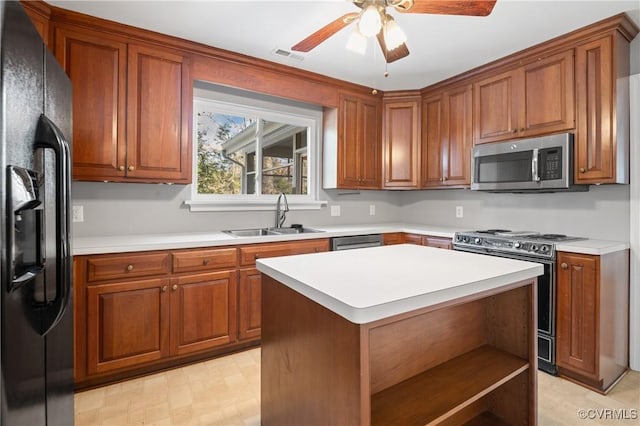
(249, 149)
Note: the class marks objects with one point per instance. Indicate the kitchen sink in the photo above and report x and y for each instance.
(258, 232)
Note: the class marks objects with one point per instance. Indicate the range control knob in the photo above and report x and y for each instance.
(465, 239)
(458, 237)
(517, 245)
(477, 240)
(534, 247)
(544, 248)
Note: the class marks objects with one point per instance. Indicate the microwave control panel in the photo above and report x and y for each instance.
(550, 160)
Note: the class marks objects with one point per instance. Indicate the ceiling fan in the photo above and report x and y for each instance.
(373, 19)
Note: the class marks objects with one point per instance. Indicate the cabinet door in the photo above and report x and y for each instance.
(159, 114)
(401, 144)
(456, 141)
(128, 324)
(495, 108)
(250, 300)
(348, 141)
(203, 311)
(432, 139)
(438, 242)
(414, 239)
(549, 104)
(96, 66)
(595, 145)
(369, 145)
(577, 290)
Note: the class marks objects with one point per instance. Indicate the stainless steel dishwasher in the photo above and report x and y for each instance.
(355, 242)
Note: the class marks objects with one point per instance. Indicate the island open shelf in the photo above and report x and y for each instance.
(467, 360)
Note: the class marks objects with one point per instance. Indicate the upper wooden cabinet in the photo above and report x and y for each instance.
(352, 144)
(40, 13)
(132, 108)
(401, 143)
(602, 141)
(446, 138)
(534, 99)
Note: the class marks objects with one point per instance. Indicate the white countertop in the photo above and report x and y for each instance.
(146, 242)
(369, 284)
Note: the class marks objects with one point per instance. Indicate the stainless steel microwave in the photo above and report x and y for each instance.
(543, 164)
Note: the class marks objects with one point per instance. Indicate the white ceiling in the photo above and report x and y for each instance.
(441, 46)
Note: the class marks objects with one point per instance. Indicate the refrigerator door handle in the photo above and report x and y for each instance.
(48, 136)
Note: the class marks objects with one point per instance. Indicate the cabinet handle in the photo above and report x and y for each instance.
(205, 262)
(129, 268)
(582, 170)
(444, 178)
(121, 168)
(514, 131)
(131, 168)
(174, 287)
(164, 288)
(564, 265)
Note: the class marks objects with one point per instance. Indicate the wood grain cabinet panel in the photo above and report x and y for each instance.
(96, 65)
(447, 138)
(204, 260)
(592, 318)
(401, 143)
(534, 99)
(393, 238)
(128, 324)
(249, 254)
(109, 267)
(40, 14)
(250, 299)
(159, 114)
(358, 143)
(203, 311)
(602, 139)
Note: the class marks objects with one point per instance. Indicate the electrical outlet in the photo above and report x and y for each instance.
(459, 212)
(372, 210)
(78, 214)
(335, 210)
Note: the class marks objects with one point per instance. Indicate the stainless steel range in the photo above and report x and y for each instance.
(533, 247)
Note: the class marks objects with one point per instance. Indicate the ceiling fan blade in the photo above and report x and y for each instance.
(449, 7)
(324, 33)
(392, 55)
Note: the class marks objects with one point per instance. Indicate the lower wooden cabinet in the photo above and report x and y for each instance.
(138, 312)
(593, 317)
(203, 311)
(249, 300)
(127, 324)
(428, 240)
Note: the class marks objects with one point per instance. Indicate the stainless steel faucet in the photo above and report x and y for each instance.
(281, 213)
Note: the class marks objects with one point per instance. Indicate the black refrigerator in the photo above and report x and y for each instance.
(36, 330)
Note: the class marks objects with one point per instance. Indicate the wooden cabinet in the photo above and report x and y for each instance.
(352, 144)
(132, 108)
(534, 99)
(393, 238)
(401, 143)
(250, 286)
(592, 317)
(447, 138)
(127, 324)
(602, 144)
(428, 240)
(203, 311)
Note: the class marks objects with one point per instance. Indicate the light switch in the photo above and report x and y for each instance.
(78, 214)
(335, 210)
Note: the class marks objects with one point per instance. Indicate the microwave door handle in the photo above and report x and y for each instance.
(48, 136)
(534, 166)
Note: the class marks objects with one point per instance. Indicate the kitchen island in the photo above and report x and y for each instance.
(398, 334)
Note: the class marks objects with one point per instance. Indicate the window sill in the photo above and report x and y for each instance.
(249, 205)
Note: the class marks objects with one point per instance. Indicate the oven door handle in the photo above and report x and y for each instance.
(534, 166)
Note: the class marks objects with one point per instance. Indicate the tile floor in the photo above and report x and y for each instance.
(226, 391)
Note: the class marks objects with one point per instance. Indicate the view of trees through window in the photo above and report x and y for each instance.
(246, 154)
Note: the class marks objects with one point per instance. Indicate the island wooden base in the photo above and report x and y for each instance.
(468, 361)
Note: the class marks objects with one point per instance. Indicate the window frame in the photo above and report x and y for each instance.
(262, 110)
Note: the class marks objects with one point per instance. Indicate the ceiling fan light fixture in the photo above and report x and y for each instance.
(357, 42)
(370, 21)
(393, 34)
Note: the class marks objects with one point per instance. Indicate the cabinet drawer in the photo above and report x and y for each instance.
(394, 238)
(203, 260)
(101, 268)
(248, 255)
